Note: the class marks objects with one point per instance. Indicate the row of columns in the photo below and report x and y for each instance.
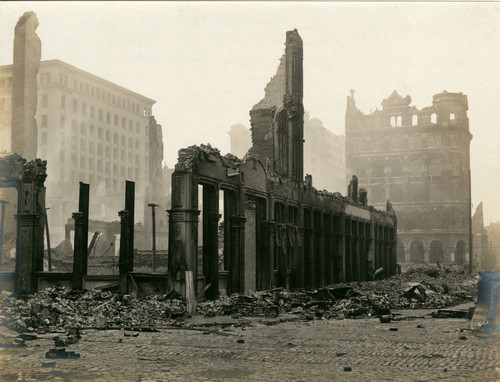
(295, 247)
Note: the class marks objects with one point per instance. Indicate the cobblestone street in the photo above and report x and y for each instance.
(350, 350)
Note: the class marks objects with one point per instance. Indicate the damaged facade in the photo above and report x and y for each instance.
(279, 231)
(419, 159)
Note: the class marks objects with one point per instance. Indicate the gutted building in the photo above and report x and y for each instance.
(278, 230)
(419, 159)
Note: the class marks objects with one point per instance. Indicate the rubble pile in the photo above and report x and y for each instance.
(57, 309)
(421, 288)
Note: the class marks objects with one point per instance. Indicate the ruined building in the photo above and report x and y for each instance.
(278, 229)
(324, 152)
(90, 130)
(419, 159)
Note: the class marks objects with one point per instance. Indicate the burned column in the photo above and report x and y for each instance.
(27, 53)
(31, 221)
(123, 262)
(78, 251)
(183, 228)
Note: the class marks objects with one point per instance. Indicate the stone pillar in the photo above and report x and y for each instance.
(183, 231)
(123, 262)
(235, 262)
(212, 275)
(31, 227)
(280, 242)
(267, 255)
(309, 253)
(27, 53)
(79, 252)
(341, 248)
(320, 263)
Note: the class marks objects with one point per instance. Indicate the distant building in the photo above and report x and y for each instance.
(324, 152)
(240, 140)
(419, 159)
(89, 130)
(493, 231)
(481, 253)
(324, 156)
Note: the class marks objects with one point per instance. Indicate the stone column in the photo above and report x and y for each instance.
(183, 231)
(31, 227)
(267, 255)
(341, 248)
(320, 264)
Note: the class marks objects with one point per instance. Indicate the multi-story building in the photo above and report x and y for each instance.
(89, 130)
(324, 155)
(419, 159)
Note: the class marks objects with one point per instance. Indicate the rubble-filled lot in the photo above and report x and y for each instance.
(58, 310)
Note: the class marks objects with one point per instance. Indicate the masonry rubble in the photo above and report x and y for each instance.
(58, 310)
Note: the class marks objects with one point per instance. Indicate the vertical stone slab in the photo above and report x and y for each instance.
(27, 53)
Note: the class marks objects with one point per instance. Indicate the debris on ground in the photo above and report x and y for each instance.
(63, 311)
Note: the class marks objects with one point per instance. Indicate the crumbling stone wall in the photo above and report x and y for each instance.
(27, 54)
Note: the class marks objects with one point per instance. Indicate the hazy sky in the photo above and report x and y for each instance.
(206, 64)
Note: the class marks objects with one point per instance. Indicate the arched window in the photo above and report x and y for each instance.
(436, 252)
(108, 136)
(417, 252)
(433, 118)
(123, 141)
(399, 121)
(115, 138)
(414, 120)
(99, 133)
(452, 116)
(393, 121)
(137, 144)
(83, 128)
(460, 252)
(130, 143)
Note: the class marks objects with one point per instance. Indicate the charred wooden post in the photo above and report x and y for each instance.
(123, 262)
(83, 207)
(79, 251)
(130, 207)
